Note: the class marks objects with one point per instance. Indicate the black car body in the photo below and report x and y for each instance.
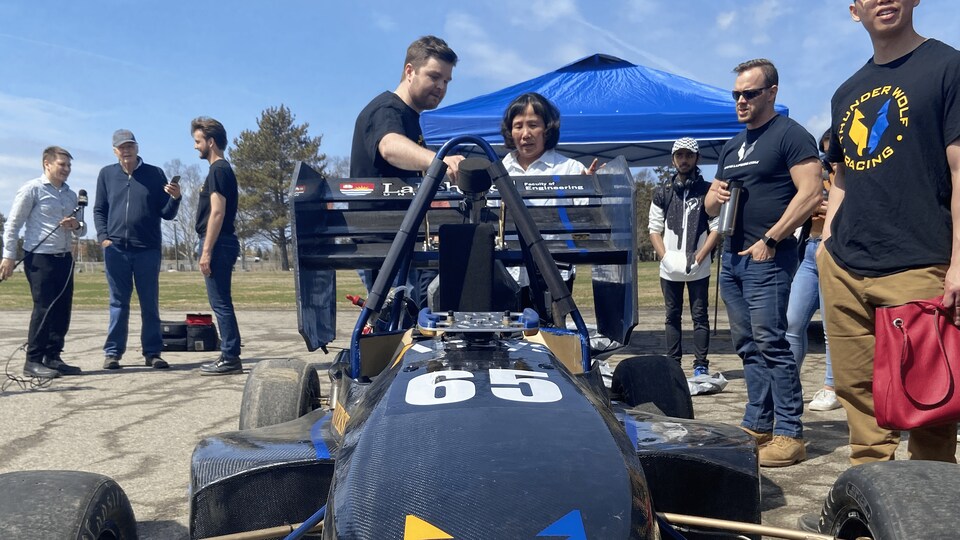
(488, 422)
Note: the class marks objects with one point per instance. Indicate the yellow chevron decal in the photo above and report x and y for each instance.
(402, 352)
(418, 529)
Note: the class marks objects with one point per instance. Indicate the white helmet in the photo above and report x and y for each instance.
(687, 143)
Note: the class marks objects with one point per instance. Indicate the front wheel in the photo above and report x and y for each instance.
(894, 500)
(279, 390)
(64, 505)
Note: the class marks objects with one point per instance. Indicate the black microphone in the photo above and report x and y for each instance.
(82, 202)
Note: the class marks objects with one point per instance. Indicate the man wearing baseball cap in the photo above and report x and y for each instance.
(132, 197)
(684, 237)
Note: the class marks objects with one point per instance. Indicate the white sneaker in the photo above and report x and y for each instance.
(824, 400)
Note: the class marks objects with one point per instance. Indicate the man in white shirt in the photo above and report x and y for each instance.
(684, 237)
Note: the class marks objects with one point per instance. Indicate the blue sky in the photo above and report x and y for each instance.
(73, 72)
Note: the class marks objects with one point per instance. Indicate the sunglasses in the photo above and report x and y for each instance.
(748, 94)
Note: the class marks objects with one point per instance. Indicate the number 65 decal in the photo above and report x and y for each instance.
(455, 386)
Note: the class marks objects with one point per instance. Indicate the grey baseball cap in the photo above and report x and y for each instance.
(121, 136)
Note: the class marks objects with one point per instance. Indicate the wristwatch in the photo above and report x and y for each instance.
(769, 242)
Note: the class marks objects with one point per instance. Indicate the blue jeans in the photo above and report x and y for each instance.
(805, 300)
(756, 296)
(224, 256)
(125, 269)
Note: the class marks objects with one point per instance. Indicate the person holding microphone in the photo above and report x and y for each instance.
(46, 208)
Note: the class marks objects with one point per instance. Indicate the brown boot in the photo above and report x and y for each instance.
(782, 451)
(760, 438)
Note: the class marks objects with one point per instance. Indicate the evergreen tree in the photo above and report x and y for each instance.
(264, 161)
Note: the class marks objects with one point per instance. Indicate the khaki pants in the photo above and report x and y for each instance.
(850, 303)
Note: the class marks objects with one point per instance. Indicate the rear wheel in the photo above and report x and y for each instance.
(279, 390)
(64, 505)
(653, 379)
(894, 500)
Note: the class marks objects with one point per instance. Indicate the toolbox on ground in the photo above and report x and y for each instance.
(196, 333)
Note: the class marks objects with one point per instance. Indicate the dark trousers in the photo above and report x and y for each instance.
(673, 299)
(51, 286)
(220, 294)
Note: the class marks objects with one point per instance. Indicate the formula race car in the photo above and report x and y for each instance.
(461, 410)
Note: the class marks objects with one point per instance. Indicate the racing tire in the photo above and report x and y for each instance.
(279, 390)
(894, 500)
(653, 379)
(64, 505)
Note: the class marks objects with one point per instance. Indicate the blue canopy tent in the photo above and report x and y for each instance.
(608, 107)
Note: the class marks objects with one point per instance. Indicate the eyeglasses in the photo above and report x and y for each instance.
(748, 94)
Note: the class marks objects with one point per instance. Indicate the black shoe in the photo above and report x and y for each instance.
(156, 362)
(222, 366)
(809, 522)
(111, 362)
(37, 369)
(61, 366)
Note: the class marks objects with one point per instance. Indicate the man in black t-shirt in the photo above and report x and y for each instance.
(890, 236)
(776, 162)
(387, 139)
(219, 247)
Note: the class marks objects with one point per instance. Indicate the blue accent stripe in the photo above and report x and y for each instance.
(630, 425)
(565, 219)
(316, 436)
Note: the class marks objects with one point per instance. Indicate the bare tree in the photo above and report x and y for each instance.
(338, 166)
(646, 180)
(181, 232)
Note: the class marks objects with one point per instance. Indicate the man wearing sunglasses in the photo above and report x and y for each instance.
(775, 160)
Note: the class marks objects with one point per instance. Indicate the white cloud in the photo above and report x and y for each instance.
(384, 22)
(482, 57)
(819, 122)
(725, 19)
(71, 52)
(640, 10)
(29, 125)
(36, 117)
(549, 11)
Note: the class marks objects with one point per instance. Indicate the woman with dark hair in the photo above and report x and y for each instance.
(531, 130)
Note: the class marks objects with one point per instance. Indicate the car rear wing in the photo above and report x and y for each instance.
(342, 224)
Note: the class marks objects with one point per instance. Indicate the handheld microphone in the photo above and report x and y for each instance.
(82, 202)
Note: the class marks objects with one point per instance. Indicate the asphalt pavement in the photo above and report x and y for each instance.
(139, 425)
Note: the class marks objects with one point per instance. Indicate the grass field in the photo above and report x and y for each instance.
(185, 291)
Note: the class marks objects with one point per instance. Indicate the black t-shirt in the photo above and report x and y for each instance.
(890, 129)
(387, 113)
(761, 158)
(220, 180)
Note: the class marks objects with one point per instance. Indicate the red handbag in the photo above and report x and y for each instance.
(916, 366)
